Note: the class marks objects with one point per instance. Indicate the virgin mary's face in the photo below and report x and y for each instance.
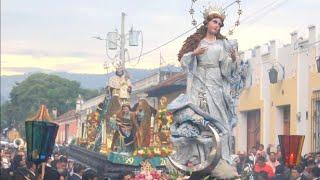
(214, 25)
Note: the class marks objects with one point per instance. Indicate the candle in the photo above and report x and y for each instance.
(291, 159)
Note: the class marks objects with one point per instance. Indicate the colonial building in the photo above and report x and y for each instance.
(142, 86)
(83, 109)
(290, 105)
(67, 127)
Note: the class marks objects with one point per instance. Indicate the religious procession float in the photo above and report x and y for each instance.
(192, 133)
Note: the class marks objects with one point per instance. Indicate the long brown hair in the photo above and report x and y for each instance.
(192, 42)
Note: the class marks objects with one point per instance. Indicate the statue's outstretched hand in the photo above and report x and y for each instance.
(199, 51)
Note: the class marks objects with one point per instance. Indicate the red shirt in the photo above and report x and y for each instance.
(266, 168)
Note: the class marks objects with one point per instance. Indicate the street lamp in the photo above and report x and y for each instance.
(112, 40)
(274, 71)
(115, 40)
(134, 37)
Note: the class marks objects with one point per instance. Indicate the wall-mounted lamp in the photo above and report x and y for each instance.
(274, 71)
(298, 116)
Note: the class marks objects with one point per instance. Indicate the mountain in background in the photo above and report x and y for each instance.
(88, 81)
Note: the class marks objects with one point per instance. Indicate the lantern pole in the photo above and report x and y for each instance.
(122, 41)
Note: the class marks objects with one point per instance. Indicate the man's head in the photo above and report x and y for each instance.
(272, 157)
(90, 174)
(119, 71)
(56, 157)
(261, 147)
(318, 157)
(261, 160)
(310, 164)
(296, 171)
(19, 160)
(78, 168)
(62, 165)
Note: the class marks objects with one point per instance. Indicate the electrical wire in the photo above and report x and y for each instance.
(248, 19)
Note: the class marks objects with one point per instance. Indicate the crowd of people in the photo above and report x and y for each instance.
(15, 166)
(267, 163)
(259, 163)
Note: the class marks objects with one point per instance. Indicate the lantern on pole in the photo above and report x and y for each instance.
(40, 136)
(112, 40)
(273, 75)
(274, 72)
(291, 147)
(133, 37)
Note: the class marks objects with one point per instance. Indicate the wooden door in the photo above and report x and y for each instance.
(286, 120)
(253, 128)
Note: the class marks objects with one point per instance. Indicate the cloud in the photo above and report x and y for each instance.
(56, 35)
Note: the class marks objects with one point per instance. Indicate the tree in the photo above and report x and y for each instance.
(40, 88)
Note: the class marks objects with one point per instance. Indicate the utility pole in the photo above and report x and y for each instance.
(122, 41)
(117, 41)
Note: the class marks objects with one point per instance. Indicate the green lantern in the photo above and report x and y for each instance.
(40, 136)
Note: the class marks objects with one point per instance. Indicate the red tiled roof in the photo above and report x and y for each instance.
(170, 81)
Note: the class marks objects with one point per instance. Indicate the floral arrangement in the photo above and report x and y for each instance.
(149, 173)
(149, 152)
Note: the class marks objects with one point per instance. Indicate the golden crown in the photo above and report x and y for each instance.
(214, 9)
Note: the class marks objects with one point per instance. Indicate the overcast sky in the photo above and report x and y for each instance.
(57, 35)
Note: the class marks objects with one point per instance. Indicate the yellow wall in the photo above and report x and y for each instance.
(250, 99)
(283, 93)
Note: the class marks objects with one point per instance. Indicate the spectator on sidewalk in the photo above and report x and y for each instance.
(272, 161)
(261, 166)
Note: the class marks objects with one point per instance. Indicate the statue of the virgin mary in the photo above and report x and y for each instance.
(214, 80)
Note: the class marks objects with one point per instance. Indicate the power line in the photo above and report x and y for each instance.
(248, 17)
(263, 11)
(154, 49)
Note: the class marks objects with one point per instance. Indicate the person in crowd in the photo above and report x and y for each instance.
(62, 166)
(261, 175)
(315, 173)
(90, 174)
(296, 172)
(307, 171)
(282, 172)
(18, 168)
(78, 171)
(31, 171)
(261, 166)
(272, 161)
(70, 166)
(278, 154)
(5, 164)
(252, 156)
(50, 173)
(317, 159)
(261, 150)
